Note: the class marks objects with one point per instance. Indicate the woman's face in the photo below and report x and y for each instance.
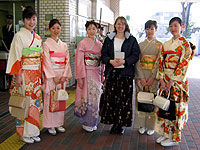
(175, 28)
(30, 23)
(91, 31)
(55, 30)
(120, 26)
(150, 32)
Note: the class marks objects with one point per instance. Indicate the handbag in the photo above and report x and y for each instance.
(162, 102)
(19, 104)
(145, 100)
(167, 108)
(54, 104)
(61, 94)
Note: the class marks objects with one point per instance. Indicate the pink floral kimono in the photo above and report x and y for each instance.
(56, 64)
(25, 59)
(89, 68)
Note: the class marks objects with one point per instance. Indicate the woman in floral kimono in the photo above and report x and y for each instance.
(173, 65)
(24, 63)
(145, 76)
(57, 71)
(89, 75)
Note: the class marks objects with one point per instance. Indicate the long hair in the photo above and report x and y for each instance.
(125, 22)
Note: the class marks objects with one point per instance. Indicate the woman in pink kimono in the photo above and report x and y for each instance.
(89, 75)
(57, 71)
(24, 63)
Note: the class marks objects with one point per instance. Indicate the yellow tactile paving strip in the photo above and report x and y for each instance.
(14, 143)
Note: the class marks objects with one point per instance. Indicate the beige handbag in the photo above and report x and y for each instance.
(19, 104)
(61, 94)
(162, 102)
(145, 97)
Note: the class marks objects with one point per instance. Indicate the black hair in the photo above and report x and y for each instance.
(54, 21)
(176, 19)
(149, 23)
(126, 24)
(28, 12)
(88, 23)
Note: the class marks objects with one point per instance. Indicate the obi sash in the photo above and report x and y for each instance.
(31, 58)
(58, 59)
(171, 59)
(92, 59)
(147, 61)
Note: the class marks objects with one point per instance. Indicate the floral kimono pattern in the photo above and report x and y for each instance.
(88, 68)
(27, 62)
(173, 65)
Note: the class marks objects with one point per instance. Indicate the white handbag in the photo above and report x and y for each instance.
(162, 102)
(145, 97)
(61, 94)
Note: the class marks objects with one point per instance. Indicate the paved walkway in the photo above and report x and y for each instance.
(75, 138)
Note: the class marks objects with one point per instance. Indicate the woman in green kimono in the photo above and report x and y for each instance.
(145, 74)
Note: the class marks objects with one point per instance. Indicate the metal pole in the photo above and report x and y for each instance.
(100, 16)
(14, 17)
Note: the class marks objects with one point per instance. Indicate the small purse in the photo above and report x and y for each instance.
(19, 104)
(145, 100)
(162, 102)
(61, 94)
(54, 104)
(167, 108)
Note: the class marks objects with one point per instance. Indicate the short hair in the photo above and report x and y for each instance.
(126, 24)
(54, 21)
(175, 19)
(28, 12)
(149, 23)
(88, 23)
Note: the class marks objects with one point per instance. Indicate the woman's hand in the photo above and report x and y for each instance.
(120, 61)
(56, 80)
(143, 82)
(80, 83)
(63, 79)
(150, 81)
(169, 85)
(163, 84)
(114, 63)
(19, 80)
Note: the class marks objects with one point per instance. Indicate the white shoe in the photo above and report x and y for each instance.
(60, 129)
(160, 139)
(87, 128)
(36, 138)
(150, 132)
(141, 130)
(52, 131)
(95, 128)
(168, 142)
(27, 139)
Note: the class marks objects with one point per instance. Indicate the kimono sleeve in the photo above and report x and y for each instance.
(138, 71)
(160, 62)
(180, 72)
(67, 72)
(14, 60)
(47, 66)
(80, 71)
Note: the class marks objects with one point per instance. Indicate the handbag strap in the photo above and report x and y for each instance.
(62, 86)
(160, 91)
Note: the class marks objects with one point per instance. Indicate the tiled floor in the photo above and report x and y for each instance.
(76, 139)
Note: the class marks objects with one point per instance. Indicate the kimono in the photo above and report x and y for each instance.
(25, 59)
(147, 67)
(173, 65)
(56, 64)
(89, 68)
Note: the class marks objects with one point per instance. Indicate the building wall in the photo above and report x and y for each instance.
(62, 10)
